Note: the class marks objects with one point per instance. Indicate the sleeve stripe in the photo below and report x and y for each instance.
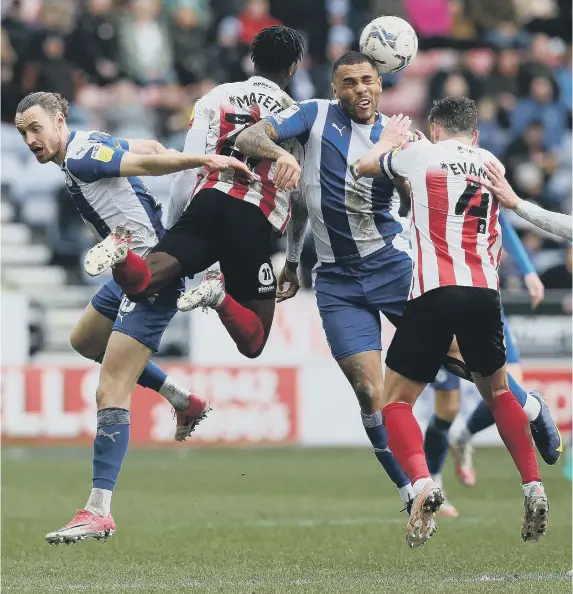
(386, 162)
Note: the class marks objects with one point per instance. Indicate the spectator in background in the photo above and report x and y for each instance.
(541, 105)
(430, 18)
(92, 46)
(254, 17)
(503, 81)
(491, 135)
(188, 32)
(564, 77)
(126, 115)
(145, 50)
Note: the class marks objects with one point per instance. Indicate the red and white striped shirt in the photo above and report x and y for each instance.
(223, 114)
(456, 238)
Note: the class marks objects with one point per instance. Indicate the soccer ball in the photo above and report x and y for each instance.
(391, 42)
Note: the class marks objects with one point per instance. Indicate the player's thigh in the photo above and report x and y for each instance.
(245, 253)
(364, 372)
(91, 333)
(190, 246)
(422, 339)
(479, 330)
(124, 360)
(350, 327)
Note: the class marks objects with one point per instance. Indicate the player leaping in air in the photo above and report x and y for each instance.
(229, 219)
(101, 177)
(455, 292)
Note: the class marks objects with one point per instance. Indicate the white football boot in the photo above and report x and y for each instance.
(536, 511)
(109, 252)
(209, 293)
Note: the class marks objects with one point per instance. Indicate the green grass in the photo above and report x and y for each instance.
(272, 521)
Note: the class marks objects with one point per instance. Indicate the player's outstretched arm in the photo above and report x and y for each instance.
(260, 141)
(173, 161)
(552, 222)
(141, 146)
(295, 240)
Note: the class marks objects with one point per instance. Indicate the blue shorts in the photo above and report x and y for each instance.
(351, 296)
(145, 322)
(446, 380)
(511, 348)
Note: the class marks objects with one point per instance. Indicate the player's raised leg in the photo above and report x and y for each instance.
(543, 428)
(90, 336)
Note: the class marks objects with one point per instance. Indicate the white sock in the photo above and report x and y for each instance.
(178, 397)
(527, 487)
(464, 435)
(420, 484)
(99, 502)
(437, 478)
(406, 494)
(532, 407)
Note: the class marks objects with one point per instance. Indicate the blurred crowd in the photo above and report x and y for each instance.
(135, 68)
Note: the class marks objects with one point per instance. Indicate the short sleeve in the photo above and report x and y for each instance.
(401, 161)
(96, 161)
(201, 115)
(295, 121)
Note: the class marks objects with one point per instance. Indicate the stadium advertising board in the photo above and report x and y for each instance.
(251, 406)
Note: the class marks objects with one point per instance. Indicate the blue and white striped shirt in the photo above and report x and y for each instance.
(350, 218)
(103, 198)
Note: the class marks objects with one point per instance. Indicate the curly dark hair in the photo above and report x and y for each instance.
(275, 49)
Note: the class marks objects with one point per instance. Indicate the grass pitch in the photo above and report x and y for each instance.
(272, 521)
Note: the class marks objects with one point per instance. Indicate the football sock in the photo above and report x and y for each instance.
(154, 378)
(132, 275)
(436, 443)
(481, 418)
(99, 502)
(110, 446)
(406, 440)
(513, 427)
(379, 439)
(243, 325)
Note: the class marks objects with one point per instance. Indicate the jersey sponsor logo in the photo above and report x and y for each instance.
(266, 276)
(102, 153)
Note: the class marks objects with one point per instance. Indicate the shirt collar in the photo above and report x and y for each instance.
(266, 81)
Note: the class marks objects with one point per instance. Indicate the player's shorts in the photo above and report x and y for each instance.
(143, 321)
(351, 296)
(216, 227)
(513, 354)
(431, 321)
(445, 380)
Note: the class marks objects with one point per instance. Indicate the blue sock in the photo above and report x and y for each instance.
(110, 446)
(379, 439)
(436, 444)
(151, 377)
(482, 418)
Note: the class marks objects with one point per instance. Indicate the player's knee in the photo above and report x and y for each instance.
(164, 269)
(369, 396)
